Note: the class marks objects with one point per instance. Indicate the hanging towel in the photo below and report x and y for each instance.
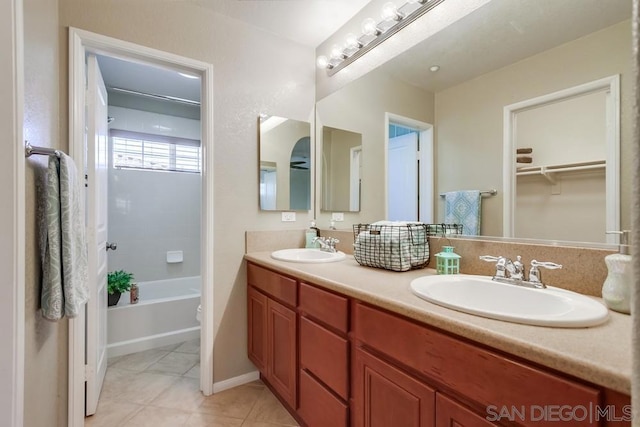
(65, 286)
(51, 298)
(463, 207)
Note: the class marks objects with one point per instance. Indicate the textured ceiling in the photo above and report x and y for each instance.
(308, 22)
(497, 34)
(500, 33)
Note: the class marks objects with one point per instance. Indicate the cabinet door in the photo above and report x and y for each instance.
(384, 396)
(450, 413)
(282, 344)
(257, 328)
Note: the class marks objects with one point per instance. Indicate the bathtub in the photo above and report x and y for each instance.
(165, 314)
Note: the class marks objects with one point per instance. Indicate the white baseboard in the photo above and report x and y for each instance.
(153, 341)
(235, 381)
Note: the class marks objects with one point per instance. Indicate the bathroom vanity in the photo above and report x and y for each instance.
(344, 345)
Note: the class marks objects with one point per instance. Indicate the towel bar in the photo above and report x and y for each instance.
(491, 192)
(30, 149)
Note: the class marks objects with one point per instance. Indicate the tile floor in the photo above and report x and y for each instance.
(160, 387)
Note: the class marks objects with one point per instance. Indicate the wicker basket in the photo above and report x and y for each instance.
(397, 247)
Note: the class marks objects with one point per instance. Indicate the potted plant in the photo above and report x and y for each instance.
(118, 282)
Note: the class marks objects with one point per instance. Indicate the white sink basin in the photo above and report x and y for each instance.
(307, 255)
(482, 296)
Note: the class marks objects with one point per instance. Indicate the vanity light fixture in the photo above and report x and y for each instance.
(373, 33)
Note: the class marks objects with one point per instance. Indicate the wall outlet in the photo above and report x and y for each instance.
(337, 216)
(288, 216)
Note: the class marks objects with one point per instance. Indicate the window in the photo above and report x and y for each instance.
(136, 150)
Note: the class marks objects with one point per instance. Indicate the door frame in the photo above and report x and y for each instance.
(427, 200)
(611, 85)
(355, 164)
(81, 42)
(12, 214)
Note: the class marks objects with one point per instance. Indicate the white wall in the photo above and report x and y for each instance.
(46, 356)
(152, 212)
(254, 72)
(11, 215)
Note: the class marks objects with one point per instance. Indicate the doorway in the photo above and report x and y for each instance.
(82, 45)
(588, 168)
(409, 169)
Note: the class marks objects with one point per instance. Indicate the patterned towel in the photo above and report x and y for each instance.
(65, 284)
(463, 207)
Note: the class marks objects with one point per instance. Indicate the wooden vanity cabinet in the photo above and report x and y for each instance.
(324, 357)
(272, 329)
(475, 374)
(338, 362)
(451, 413)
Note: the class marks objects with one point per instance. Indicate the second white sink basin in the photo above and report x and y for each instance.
(482, 296)
(307, 255)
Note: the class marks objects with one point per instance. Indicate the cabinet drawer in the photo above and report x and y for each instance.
(280, 287)
(482, 375)
(326, 355)
(318, 407)
(389, 334)
(328, 308)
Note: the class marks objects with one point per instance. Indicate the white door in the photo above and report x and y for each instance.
(96, 169)
(402, 181)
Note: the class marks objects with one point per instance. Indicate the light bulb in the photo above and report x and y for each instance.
(336, 52)
(369, 27)
(389, 11)
(322, 61)
(352, 41)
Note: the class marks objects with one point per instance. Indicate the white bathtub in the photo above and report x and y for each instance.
(165, 314)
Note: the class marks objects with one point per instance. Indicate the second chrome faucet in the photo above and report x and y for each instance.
(327, 244)
(512, 272)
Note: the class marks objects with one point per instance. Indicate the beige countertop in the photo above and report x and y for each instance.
(600, 354)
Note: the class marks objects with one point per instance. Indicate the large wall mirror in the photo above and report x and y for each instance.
(285, 164)
(461, 79)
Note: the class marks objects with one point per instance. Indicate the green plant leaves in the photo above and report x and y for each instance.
(119, 281)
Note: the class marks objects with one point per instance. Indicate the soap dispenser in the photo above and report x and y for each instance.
(616, 290)
(310, 235)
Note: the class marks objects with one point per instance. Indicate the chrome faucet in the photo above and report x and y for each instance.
(515, 268)
(512, 272)
(327, 244)
(534, 272)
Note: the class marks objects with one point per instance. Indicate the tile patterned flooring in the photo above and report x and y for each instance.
(160, 387)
